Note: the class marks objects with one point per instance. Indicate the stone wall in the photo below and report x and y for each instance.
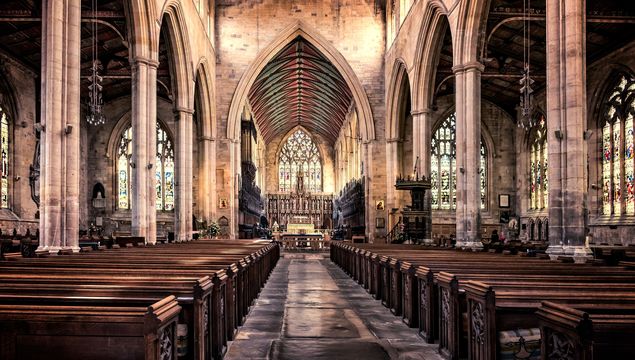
(21, 106)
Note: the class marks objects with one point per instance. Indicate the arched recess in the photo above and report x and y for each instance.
(299, 28)
(142, 33)
(398, 81)
(472, 20)
(400, 133)
(179, 60)
(205, 115)
(429, 43)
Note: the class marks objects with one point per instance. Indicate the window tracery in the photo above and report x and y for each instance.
(538, 165)
(618, 149)
(164, 174)
(299, 157)
(443, 167)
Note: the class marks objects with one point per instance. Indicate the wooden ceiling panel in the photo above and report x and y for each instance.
(300, 87)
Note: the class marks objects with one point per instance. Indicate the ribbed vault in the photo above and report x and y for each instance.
(299, 86)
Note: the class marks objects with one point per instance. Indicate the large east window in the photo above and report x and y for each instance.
(538, 162)
(164, 174)
(443, 167)
(300, 160)
(618, 149)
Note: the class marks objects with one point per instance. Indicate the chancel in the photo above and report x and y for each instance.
(283, 179)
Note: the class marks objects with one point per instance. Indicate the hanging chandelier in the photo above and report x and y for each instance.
(526, 121)
(95, 114)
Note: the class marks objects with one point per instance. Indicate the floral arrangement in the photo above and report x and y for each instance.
(213, 229)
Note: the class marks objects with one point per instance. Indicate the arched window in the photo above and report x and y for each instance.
(538, 181)
(299, 157)
(443, 167)
(4, 146)
(618, 149)
(164, 166)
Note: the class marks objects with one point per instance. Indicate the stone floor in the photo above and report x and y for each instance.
(310, 309)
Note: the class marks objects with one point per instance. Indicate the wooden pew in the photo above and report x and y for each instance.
(599, 332)
(160, 265)
(489, 265)
(493, 308)
(69, 332)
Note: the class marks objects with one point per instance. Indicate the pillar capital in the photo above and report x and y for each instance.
(183, 110)
(393, 140)
(470, 66)
(141, 60)
(206, 138)
(421, 112)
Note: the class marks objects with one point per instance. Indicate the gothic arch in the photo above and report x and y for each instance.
(141, 32)
(204, 82)
(427, 54)
(396, 90)
(180, 52)
(299, 28)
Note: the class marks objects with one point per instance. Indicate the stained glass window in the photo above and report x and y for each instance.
(164, 175)
(4, 146)
(618, 149)
(300, 158)
(538, 184)
(443, 167)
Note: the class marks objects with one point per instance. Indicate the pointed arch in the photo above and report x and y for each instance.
(429, 43)
(399, 80)
(299, 28)
(143, 35)
(204, 84)
(179, 61)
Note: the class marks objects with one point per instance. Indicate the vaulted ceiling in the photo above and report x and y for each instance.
(610, 25)
(300, 86)
(21, 40)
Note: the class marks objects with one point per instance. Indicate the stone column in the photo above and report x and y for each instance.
(207, 169)
(422, 125)
(468, 144)
(567, 119)
(184, 153)
(60, 113)
(236, 176)
(392, 171)
(144, 122)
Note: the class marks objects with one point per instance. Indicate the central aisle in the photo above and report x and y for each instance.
(310, 309)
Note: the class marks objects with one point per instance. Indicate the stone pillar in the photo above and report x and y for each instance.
(144, 137)
(567, 119)
(422, 125)
(370, 211)
(207, 169)
(236, 177)
(60, 114)
(468, 144)
(392, 171)
(184, 153)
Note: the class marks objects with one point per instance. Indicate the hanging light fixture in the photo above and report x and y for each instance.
(526, 120)
(95, 114)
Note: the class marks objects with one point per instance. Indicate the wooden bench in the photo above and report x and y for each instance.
(599, 332)
(398, 267)
(122, 331)
(162, 269)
